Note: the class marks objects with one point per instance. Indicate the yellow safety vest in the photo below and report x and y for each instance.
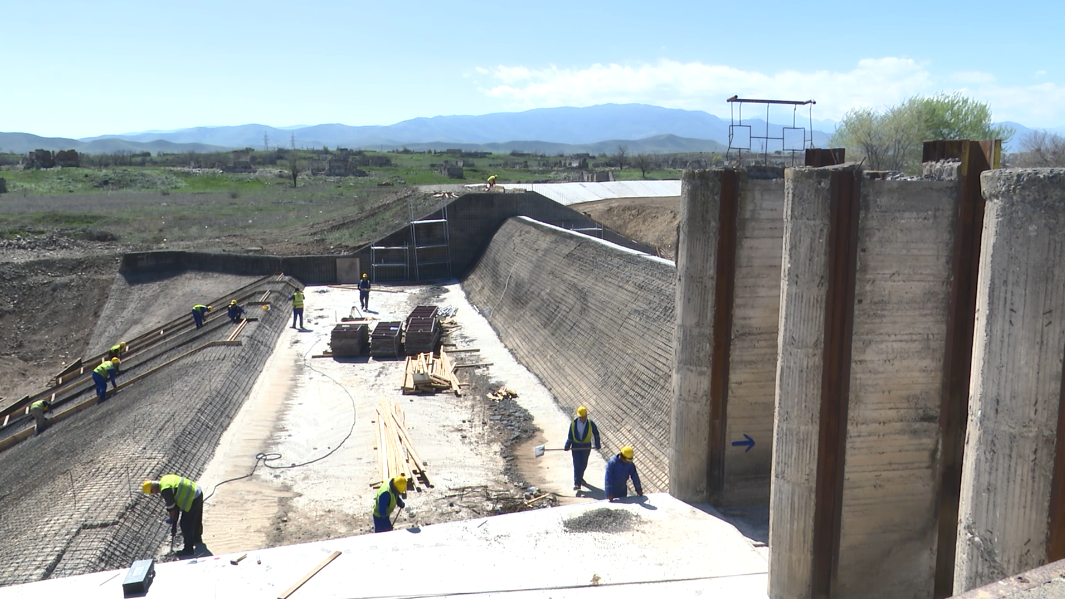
(103, 368)
(38, 405)
(200, 308)
(184, 490)
(116, 349)
(587, 432)
(385, 488)
(297, 299)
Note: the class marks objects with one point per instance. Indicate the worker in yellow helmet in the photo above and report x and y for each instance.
(491, 182)
(38, 410)
(364, 291)
(198, 312)
(619, 469)
(184, 500)
(581, 433)
(100, 375)
(117, 350)
(388, 497)
(297, 307)
(235, 312)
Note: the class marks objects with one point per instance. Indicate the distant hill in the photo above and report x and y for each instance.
(21, 143)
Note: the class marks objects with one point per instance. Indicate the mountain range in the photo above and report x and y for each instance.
(595, 129)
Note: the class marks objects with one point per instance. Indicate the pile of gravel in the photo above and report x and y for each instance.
(514, 426)
(603, 519)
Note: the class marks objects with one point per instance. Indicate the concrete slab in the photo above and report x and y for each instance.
(652, 548)
(575, 193)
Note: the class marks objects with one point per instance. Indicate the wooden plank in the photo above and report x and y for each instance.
(307, 576)
(410, 444)
(457, 366)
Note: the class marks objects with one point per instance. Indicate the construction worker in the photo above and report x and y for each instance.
(100, 374)
(185, 496)
(581, 433)
(236, 313)
(38, 409)
(491, 182)
(117, 350)
(619, 469)
(198, 312)
(297, 307)
(388, 497)
(364, 291)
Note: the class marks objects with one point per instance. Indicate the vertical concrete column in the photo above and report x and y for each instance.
(1013, 448)
(690, 459)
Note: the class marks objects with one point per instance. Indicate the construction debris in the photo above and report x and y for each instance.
(426, 373)
(395, 450)
(482, 501)
(501, 393)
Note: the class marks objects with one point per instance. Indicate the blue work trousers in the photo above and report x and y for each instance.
(580, 464)
(297, 313)
(381, 524)
(101, 385)
(198, 318)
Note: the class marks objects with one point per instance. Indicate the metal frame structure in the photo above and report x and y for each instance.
(434, 245)
(378, 257)
(807, 134)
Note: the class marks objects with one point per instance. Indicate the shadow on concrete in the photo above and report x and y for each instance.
(352, 360)
(752, 521)
(640, 500)
(593, 492)
(413, 529)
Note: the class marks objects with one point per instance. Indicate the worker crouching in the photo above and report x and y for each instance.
(198, 312)
(388, 497)
(619, 469)
(184, 505)
(117, 350)
(235, 312)
(38, 410)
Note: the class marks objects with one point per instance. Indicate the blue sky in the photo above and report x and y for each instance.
(78, 69)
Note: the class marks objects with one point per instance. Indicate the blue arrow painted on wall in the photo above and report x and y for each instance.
(748, 441)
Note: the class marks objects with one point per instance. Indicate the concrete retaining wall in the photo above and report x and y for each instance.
(472, 220)
(310, 270)
(859, 386)
(595, 322)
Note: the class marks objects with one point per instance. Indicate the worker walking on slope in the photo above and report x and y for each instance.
(297, 307)
(100, 374)
(198, 312)
(235, 312)
(388, 497)
(579, 442)
(38, 410)
(185, 496)
(619, 469)
(117, 350)
(364, 291)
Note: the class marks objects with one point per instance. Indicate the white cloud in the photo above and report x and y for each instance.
(874, 83)
(1040, 73)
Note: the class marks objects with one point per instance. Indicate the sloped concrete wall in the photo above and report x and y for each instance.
(595, 322)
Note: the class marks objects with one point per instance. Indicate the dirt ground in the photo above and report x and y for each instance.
(652, 221)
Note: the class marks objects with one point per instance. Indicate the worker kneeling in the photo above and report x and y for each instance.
(388, 497)
(183, 498)
(235, 312)
(100, 374)
(38, 409)
(619, 469)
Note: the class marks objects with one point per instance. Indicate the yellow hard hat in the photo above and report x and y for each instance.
(146, 486)
(582, 411)
(122, 344)
(365, 276)
(116, 361)
(209, 308)
(401, 484)
(626, 452)
(232, 302)
(266, 307)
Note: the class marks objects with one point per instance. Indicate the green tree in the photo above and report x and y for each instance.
(891, 140)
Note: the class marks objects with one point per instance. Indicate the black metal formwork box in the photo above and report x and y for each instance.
(349, 340)
(139, 577)
(385, 339)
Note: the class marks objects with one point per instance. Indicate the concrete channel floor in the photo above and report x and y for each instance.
(320, 413)
(650, 549)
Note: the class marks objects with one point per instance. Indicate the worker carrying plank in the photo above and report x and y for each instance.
(364, 291)
(619, 469)
(117, 350)
(297, 307)
(100, 374)
(388, 497)
(581, 432)
(184, 499)
(38, 410)
(235, 312)
(198, 312)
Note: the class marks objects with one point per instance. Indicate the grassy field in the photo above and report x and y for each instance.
(156, 205)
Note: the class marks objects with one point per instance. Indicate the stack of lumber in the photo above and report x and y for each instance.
(426, 373)
(384, 341)
(396, 453)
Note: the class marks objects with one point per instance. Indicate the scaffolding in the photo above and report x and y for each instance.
(431, 243)
(740, 136)
(390, 263)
